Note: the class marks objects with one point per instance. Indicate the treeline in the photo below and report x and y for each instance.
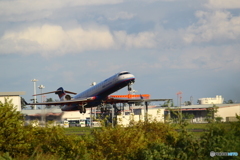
(150, 140)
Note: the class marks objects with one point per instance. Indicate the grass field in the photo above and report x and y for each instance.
(198, 129)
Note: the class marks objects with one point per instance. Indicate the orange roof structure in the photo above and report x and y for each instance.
(135, 96)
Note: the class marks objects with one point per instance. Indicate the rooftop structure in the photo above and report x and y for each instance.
(217, 100)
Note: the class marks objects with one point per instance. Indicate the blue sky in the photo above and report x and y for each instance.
(169, 45)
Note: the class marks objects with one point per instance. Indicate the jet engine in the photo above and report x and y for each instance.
(67, 97)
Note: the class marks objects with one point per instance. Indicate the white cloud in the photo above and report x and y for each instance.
(219, 58)
(50, 40)
(140, 40)
(217, 26)
(223, 4)
(55, 40)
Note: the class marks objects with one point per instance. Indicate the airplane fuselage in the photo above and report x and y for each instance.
(102, 90)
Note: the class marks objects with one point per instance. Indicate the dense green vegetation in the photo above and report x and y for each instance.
(150, 140)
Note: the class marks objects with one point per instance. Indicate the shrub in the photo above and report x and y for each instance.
(149, 140)
(127, 143)
(19, 141)
(12, 134)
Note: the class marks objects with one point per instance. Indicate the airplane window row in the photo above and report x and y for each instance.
(123, 73)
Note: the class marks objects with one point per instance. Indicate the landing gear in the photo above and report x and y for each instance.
(103, 109)
(82, 108)
(129, 86)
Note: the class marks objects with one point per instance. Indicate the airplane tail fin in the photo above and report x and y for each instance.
(60, 92)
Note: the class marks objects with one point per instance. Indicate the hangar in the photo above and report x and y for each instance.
(54, 114)
(226, 111)
(15, 96)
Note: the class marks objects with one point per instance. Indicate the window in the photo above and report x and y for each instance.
(123, 73)
(127, 113)
(137, 111)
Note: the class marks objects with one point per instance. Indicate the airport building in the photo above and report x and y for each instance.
(54, 114)
(226, 111)
(129, 114)
(138, 113)
(124, 117)
(14, 96)
(217, 100)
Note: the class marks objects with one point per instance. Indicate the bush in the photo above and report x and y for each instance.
(12, 133)
(127, 143)
(19, 141)
(150, 140)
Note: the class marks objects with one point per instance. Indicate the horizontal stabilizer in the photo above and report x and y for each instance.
(54, 92)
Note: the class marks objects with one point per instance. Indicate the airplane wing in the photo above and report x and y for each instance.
(88, 99)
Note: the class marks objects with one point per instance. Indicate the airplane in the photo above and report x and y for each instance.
(98, 94)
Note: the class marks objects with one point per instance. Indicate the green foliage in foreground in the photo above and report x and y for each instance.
(150, 140)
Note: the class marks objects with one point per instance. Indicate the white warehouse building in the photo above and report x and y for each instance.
(14, 96)
(226, 111)
(217, 100)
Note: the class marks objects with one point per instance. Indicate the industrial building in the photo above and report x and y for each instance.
(54, 114)
(14, 96)
(138, 113)
(217, 100)
(226, 111)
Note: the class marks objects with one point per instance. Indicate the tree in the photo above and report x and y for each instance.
(49, 100)
(188, 103)
(229, 101)
(12, 134)
(168, 103)
(32, 106)
(211, 113)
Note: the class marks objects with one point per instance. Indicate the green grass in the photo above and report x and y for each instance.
(205, 125)
(197, 126)
(198, 129)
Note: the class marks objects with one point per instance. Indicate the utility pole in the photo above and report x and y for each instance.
(91, 121)
(41, 87)
(112, 116)
(179, 97)
(34, 90)
(91, 118)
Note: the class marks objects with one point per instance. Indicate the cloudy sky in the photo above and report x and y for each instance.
(169, 45)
